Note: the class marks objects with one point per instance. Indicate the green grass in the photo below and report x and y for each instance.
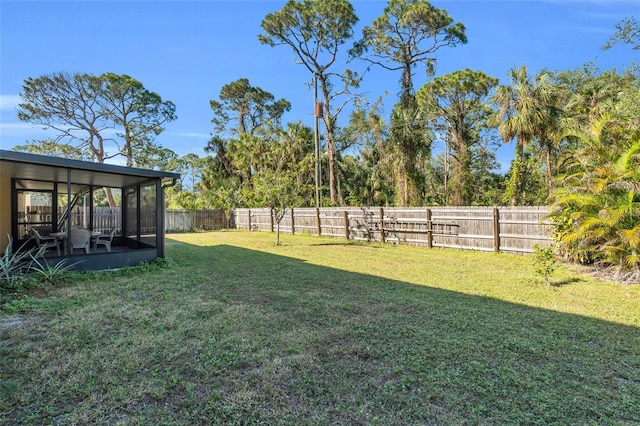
(319, 331)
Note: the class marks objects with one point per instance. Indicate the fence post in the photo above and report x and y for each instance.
(382, 225)
(249, 213)
(429, 230)
(271, 218)
(318, 221)
(346, 224)
(496, 230)
(293, 223)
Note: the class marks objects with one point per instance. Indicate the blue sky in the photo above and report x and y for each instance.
(186, 51)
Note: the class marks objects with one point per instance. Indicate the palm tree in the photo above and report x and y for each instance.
(597, 209)
(523, 111)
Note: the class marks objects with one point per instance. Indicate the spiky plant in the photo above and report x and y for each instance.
(596, 206)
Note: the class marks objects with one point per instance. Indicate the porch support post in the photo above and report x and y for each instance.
(67, 240)
(91, 224)
(14, 215)
(159, 218)
(123, 213)
(138, 215)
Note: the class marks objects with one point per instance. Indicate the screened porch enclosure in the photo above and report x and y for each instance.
(54, 200)
(49, 209)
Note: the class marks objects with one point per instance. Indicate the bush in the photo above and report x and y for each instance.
(24, 267)
(14, 266)
(51, 274)
(544, 262)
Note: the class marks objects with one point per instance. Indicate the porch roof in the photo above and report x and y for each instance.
(21, 165)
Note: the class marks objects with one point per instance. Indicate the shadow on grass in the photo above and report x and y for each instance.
(251, 337)
(566, 282)
(348, 243)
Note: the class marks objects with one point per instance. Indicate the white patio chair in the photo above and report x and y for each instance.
(80, 239)
(45, 241)
(105, 240)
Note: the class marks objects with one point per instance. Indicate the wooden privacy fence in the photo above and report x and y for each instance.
(107, 218)
(504, 229)
(187, 221)
(498, 229)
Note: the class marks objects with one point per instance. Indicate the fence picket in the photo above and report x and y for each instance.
(499, 229)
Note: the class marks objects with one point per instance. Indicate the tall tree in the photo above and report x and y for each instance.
(69, 104)
(588, 94)
(187, 194)
(487, 184)
(367, 177)
(409, 145)
(140, 114)
(243, 108)
(457, 103)
(286, 178)
(408, 34)
(523, 109)
(627, 31)
(315, 30)
(54, 149)
(296, 152)
(86, 109)
(246, 114)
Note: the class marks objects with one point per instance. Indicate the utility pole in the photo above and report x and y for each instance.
(446, 168)
(317, 113)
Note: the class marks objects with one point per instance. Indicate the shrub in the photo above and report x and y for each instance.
(21, 268)
(14, 266)
(544, 262)
(52, 275)
(596, 206)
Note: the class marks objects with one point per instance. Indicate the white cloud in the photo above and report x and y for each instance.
(18, 128)
(9, 102)
(17, 133)
(193, 135)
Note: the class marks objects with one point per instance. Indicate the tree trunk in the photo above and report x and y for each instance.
(407, 86)
(461, 161)
(549, 174)
(110, 197)
(331, 140)
(518, 193)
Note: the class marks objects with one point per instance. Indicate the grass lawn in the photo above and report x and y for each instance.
(320, 331)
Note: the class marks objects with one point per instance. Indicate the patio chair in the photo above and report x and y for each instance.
(80, 239)
(45, 241)
(105, 240)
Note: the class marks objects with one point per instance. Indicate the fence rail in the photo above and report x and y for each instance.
(498, 229)
(504, 229)
(106, 218)
(187, 221)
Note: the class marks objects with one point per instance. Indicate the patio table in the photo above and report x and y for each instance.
(62, 236)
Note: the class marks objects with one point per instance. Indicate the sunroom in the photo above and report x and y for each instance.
(102, 216)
